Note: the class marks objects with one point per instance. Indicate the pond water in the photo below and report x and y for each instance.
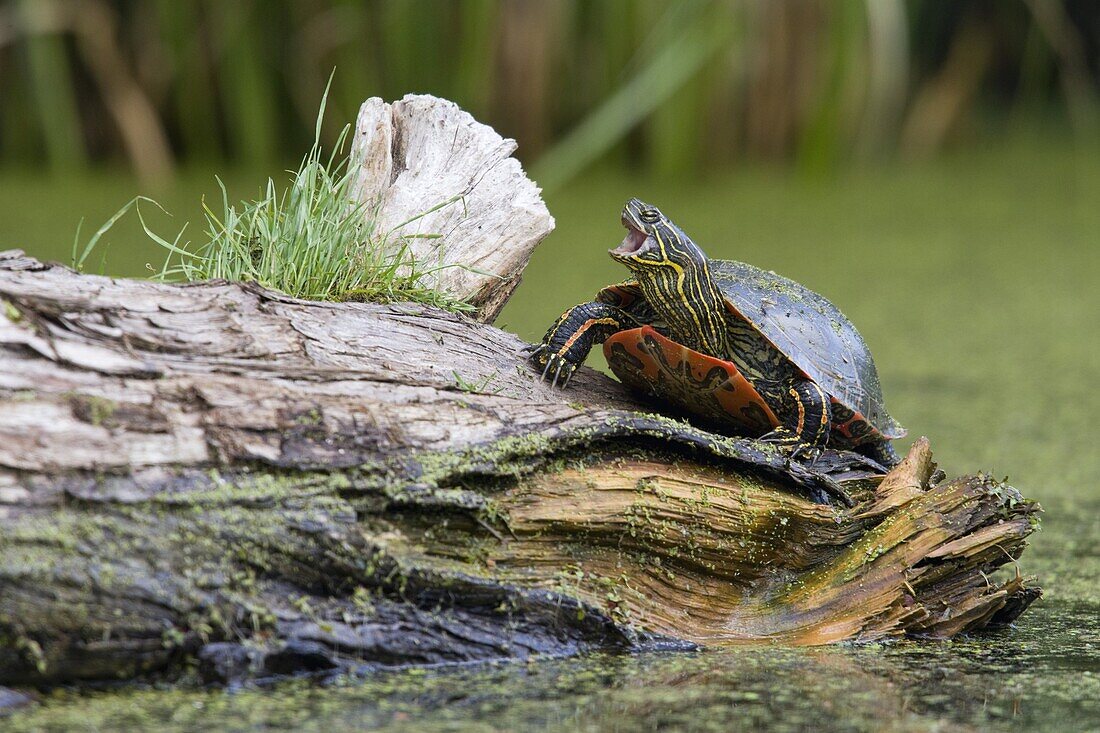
(975, 279)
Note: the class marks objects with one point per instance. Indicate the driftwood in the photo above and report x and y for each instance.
(428, 167)
(220, 473)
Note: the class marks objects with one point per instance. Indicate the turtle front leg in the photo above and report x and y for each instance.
(807, 419)
(566, 345)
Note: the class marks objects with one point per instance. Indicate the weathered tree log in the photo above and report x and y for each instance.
(428, 167)
(222, 473)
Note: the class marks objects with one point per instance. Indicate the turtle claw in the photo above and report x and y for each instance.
(807, 453)
(782, 439)
(560, 368)
(802, 457)
(555, 367)
(795, 450)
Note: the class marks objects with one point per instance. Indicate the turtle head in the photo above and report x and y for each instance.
(653, 243)
(674, 275)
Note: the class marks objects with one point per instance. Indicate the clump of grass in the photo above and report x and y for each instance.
(313, 240)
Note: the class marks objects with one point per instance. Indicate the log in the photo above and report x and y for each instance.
(219, 477)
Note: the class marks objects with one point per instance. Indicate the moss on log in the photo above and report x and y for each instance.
(218, 478)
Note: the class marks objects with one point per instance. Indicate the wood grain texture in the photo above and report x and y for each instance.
(422, 151)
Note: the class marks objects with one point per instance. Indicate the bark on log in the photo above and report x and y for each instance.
(267, 485)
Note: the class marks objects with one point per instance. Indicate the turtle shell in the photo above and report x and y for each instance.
(804, 326)
(813, 334)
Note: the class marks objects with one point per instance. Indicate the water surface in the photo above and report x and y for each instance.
(976, 282)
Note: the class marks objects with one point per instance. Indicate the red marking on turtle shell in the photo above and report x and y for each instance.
(845, 428)
(735, 395)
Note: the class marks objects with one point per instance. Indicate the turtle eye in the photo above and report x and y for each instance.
(650, 216)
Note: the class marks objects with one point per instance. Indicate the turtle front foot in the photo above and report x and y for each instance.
(555, 367)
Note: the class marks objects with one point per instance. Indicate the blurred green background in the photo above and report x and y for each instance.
(932, 166)
(658, 87)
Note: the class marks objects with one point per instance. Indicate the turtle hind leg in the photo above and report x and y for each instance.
(808, 422)
(880, 451)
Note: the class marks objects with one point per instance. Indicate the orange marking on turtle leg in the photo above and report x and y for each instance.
(801, 412)
(584, 327)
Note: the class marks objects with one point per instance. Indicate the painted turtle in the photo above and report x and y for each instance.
(744, 350)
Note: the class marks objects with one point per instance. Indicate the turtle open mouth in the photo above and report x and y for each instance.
(631, 243)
